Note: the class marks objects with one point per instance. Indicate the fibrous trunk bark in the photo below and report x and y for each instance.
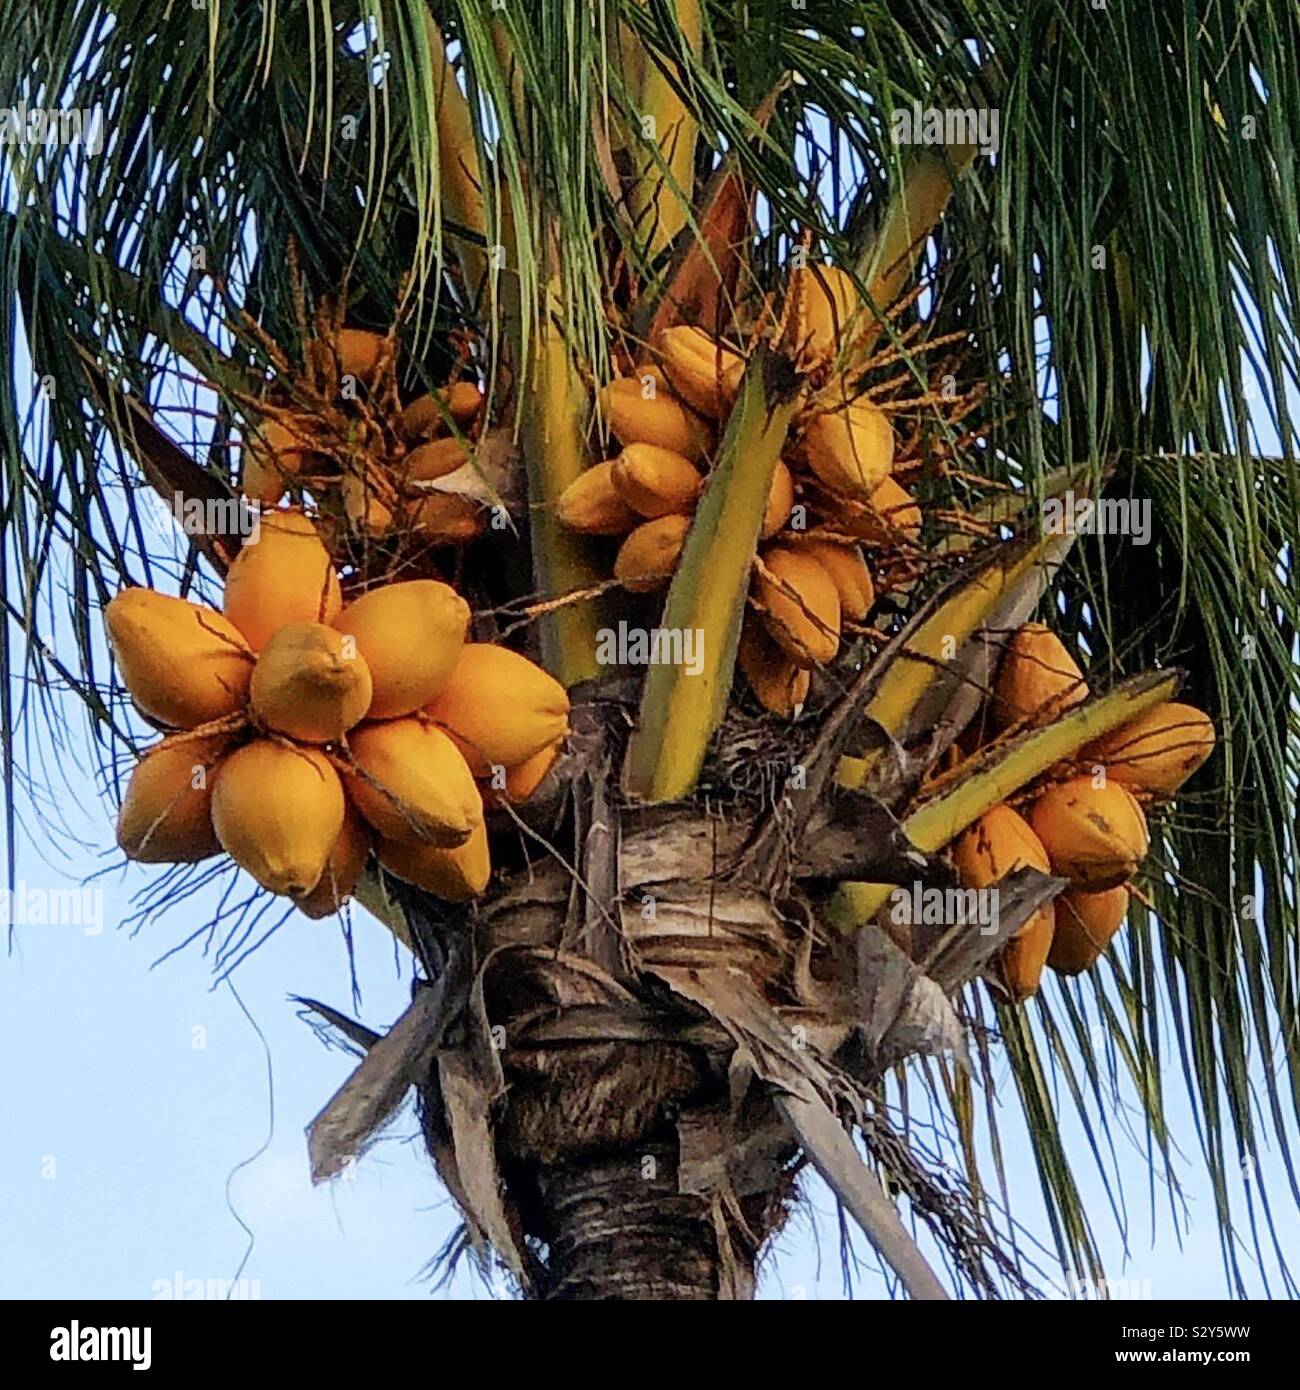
(636, 1162)
(616, 1226)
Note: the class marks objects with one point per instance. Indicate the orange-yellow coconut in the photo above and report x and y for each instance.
(427, 415)
(780, 501)
(515, 786)
(830, 307)
(1020, 961)
(591, 504)
(799, 604)
(703, 372)
(427, 462)
(278, 810)
(1037, 678)
(454, 875)
(410, 636)
(779, 685)
(655, 482)
(445, 518)
(647, 558)
(282, 575)
(1159, 750)
(166, 815)
(412, 783)
(897, 508)
(1085, 923)
(845, 565)
(342, 869)
(501, 707)
(310, 683)
(273, 454)
(998, 844)
(359, 352)
(364, 509)
(184, 665)
(850, 447)
(638, 417)
(1094, 836)
(889, 517)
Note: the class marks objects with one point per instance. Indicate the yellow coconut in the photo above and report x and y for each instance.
(310, 683)
(1159, 750)
(412, 783)
(364, 509)
(890, 515)
(830, 307)
(454, 875)
(646, 560)
(640, 414)
(501, 707)
(273, 454)
(897, 507)
(183, 664)
(655, 482)
(998, 844)
(427, 415)
(278, 810)
(434, 460)
(515, 786)
(780, 501)
(410, 636)
(1037, 679)
(523, 779)
(701, 370)
(166, 815)
(845, 565)
(1085, 923)
(591, 504)
(778, 684)
(850, 447)
(1094, 836)
(282, 575)
(1021, 960)
(799, 605)
(359, 352)
(342, 869)
(445, 518)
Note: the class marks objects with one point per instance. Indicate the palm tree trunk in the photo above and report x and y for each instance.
(614, 1113)
(617, 1227)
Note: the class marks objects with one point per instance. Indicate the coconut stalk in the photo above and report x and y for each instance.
(921, 661)
(555, 407)
(680, 711)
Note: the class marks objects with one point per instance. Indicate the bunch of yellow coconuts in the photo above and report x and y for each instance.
(1086, 824)
(308, 732)
(810, 574)
(396, 469)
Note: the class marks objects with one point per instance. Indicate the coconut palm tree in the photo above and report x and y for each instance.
(1043, 254)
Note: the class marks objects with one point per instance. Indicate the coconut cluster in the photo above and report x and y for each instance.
(309, 732)
(832, 491)
(1087, 823)
(401, 469)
